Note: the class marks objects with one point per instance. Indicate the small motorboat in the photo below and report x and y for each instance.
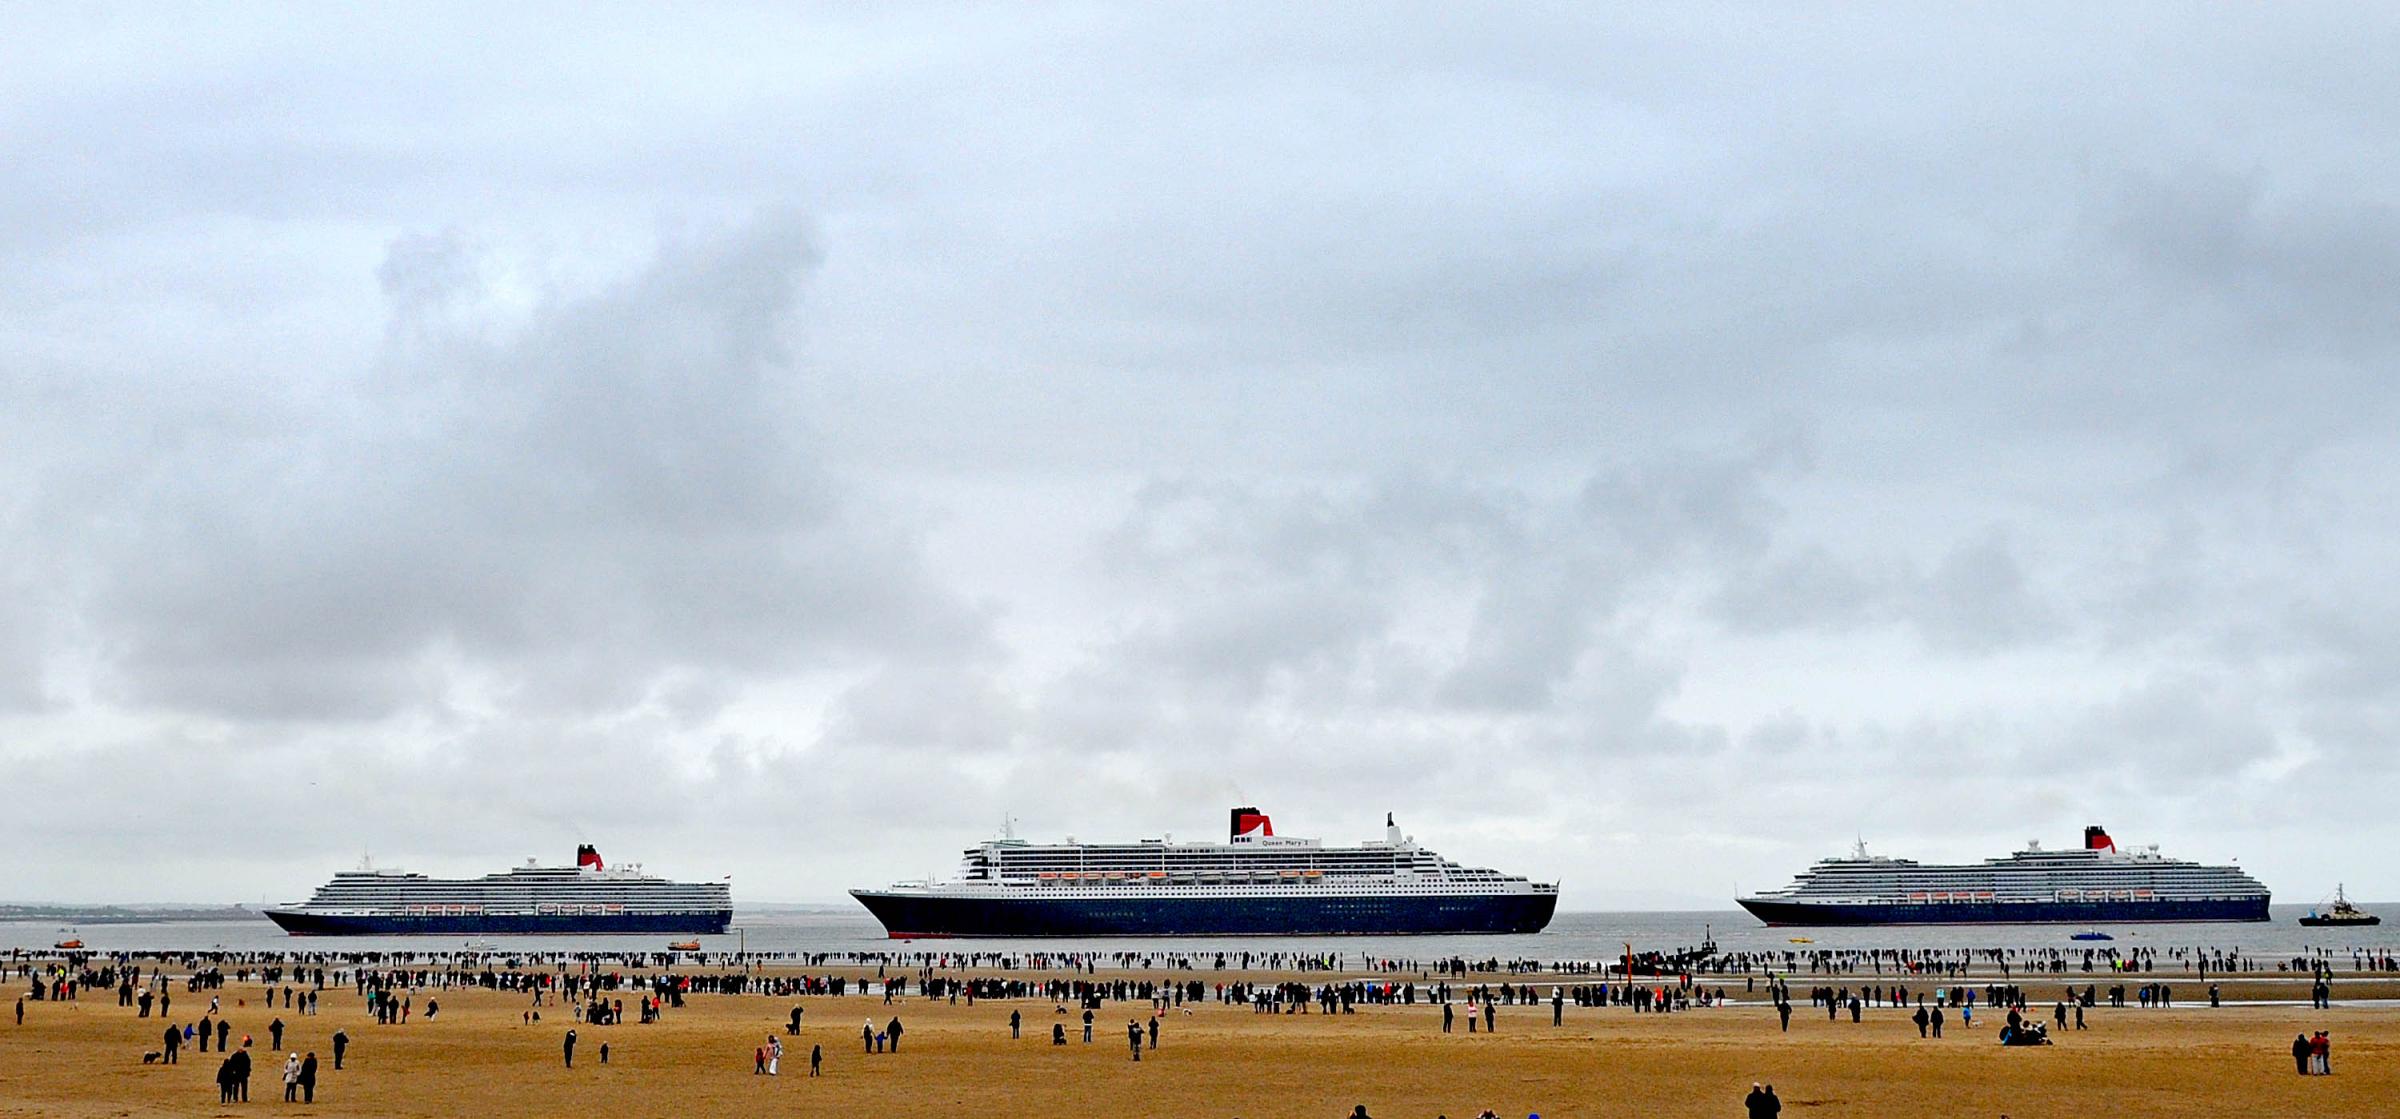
(2091, 934)
(1803, 940)
(69, 945)
(2341, 913)
(684, 946)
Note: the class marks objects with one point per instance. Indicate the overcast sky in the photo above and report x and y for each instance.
(1645, 451)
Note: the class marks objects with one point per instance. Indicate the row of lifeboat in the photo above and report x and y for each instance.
(1156, 876)
(2106, 895)
(1952, 895)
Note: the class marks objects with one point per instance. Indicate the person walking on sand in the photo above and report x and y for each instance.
(893, 1032)
(816, 1060)
(1133, 1033)
(1783, 1014)
(341, 1045)
(774, 1055)
(866, 1036)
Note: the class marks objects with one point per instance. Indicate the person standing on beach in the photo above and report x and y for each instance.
(1783, 1012)
(239, 1066)
(1490, 1022)
(2321, 1047)
(893, 1031)
(2300, 1051)
(291, 1078)
(1015, 1022)
(173, 1042)
(1558, 1006)
(308, 1077)
(1447, 1014)
(341, 1045)
(570, 1048)
(816, 1060)
(224, 1033)
(20, 1010)
(275, 1034)
(1922, 1019)
(1133, 1033)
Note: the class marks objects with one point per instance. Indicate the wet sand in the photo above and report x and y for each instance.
(82, 1060)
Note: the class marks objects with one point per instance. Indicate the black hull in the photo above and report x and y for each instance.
(906, 915)
(2354, 923)
(303, 923)
(1866, 914)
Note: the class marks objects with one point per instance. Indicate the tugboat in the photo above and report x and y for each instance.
(2341, 913)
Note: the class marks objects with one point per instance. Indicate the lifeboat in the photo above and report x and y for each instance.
(1157, 874)
(1312, 874)
(684, 946)
(70, 944)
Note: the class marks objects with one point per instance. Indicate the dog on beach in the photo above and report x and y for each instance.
(151, 1057)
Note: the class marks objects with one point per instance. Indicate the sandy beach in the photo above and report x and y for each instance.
(83, 1059)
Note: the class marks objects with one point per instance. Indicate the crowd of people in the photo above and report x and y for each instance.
(596, 989)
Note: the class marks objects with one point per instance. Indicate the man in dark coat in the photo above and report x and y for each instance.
(2300, 1053)
(173, 1042)
(341, 1045)
(239, 1068)
(308, 1078)
(893, 1032)
(275, 1035)
(570, 1048)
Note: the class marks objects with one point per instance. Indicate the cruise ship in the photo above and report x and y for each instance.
(585, 899)
(1255, 884)
(2095, 885)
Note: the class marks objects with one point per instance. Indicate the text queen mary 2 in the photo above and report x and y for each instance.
(1255, 884)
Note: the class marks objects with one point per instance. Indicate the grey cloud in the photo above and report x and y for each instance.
(620, 485)
(1512, 413)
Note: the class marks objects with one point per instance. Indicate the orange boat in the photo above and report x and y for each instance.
(69, 945)
(685, 946)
